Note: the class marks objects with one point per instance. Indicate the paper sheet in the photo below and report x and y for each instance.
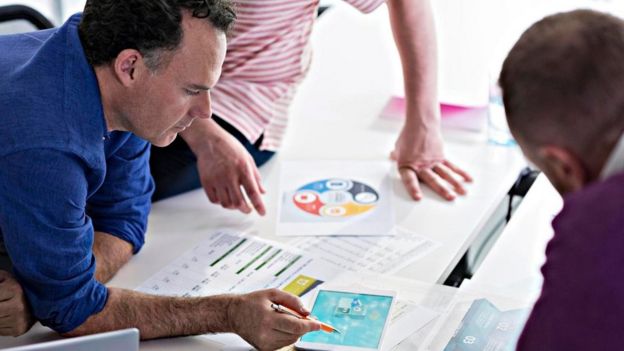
(233, 263)
(335, 198)
(472, 119)
(374, 254)
(486, 327)
(407, 318)
(454, 318)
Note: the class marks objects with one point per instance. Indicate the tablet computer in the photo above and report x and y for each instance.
(126, 339)
(360, 316)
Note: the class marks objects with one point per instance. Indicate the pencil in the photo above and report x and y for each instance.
(324, 326)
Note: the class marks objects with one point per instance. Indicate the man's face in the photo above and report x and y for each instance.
(165, 102)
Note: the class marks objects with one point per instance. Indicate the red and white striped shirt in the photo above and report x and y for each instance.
(268, 55)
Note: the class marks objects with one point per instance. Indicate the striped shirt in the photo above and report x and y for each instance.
(268, 56)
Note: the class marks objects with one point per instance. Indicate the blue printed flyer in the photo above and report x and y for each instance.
(485, 327)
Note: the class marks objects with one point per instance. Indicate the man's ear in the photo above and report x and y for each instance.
(565, 169)
(127, 66)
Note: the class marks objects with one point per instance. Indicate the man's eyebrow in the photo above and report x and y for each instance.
(199, 87)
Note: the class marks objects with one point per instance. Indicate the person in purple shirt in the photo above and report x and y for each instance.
(563, 90)
(78, 105)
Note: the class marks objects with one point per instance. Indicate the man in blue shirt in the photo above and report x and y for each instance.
(77, 105)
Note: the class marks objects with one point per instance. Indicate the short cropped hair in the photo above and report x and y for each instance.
(152, 27)
(563, 82)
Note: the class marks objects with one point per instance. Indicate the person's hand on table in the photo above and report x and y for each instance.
(15, 317)
(225, 169)
(420, 158)
(252, 317)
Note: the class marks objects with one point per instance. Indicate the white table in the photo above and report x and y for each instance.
(335, 116)
(512, 267)
(336, 110)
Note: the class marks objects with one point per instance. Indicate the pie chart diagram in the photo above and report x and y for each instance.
(336, 197)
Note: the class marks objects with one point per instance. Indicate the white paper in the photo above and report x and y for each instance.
(230, 341)
(233, 263)
(335, 198)
(445, 327)
(373, 254)
(407, 318)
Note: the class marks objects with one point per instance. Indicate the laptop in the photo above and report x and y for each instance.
(126, 339)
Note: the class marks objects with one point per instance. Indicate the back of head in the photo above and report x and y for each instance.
(150, 26)
(563, 83)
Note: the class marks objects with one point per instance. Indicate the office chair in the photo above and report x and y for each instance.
(321, 10)
(19, 14)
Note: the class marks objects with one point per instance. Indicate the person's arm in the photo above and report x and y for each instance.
(419, 150)
(15, 317)
(111, 253)
(48, 235)
(120, 206)
(224, 167)
(250, 316)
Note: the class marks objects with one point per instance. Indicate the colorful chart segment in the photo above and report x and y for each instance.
(336, 197)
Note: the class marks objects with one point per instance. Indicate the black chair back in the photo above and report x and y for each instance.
(25, 13)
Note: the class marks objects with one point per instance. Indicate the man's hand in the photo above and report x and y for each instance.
(15, 317)
(249, 315)
(252, 317)
(225, 168)
(419, 156)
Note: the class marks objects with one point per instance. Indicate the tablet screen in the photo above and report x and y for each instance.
(359, 317)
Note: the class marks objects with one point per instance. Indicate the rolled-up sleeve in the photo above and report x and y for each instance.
(49, 237)
(121, 205)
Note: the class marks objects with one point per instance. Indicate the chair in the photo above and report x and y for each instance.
(20, 18)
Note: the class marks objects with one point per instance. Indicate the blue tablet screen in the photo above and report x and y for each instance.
(359, 317)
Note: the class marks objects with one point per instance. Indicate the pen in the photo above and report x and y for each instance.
(324, 326)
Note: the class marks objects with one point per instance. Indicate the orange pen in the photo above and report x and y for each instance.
(324, 326)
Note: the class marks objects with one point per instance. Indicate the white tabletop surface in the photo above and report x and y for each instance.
(335, 116)
(513, 265)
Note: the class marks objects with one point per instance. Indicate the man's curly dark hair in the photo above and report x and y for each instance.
(150, 26)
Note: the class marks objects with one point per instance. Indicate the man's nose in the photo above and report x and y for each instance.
(202, 107)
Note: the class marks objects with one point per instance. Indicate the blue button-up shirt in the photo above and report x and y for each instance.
(63, 175)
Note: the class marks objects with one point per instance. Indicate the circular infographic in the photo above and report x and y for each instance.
(336, 197)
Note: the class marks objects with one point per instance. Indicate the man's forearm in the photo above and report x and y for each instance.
(111, 253)
(414, 34)
(159, 316)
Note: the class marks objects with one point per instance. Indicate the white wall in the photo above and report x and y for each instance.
(72, 6)
(474, 35)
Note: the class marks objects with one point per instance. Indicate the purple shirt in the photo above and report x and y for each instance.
(582, 302)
